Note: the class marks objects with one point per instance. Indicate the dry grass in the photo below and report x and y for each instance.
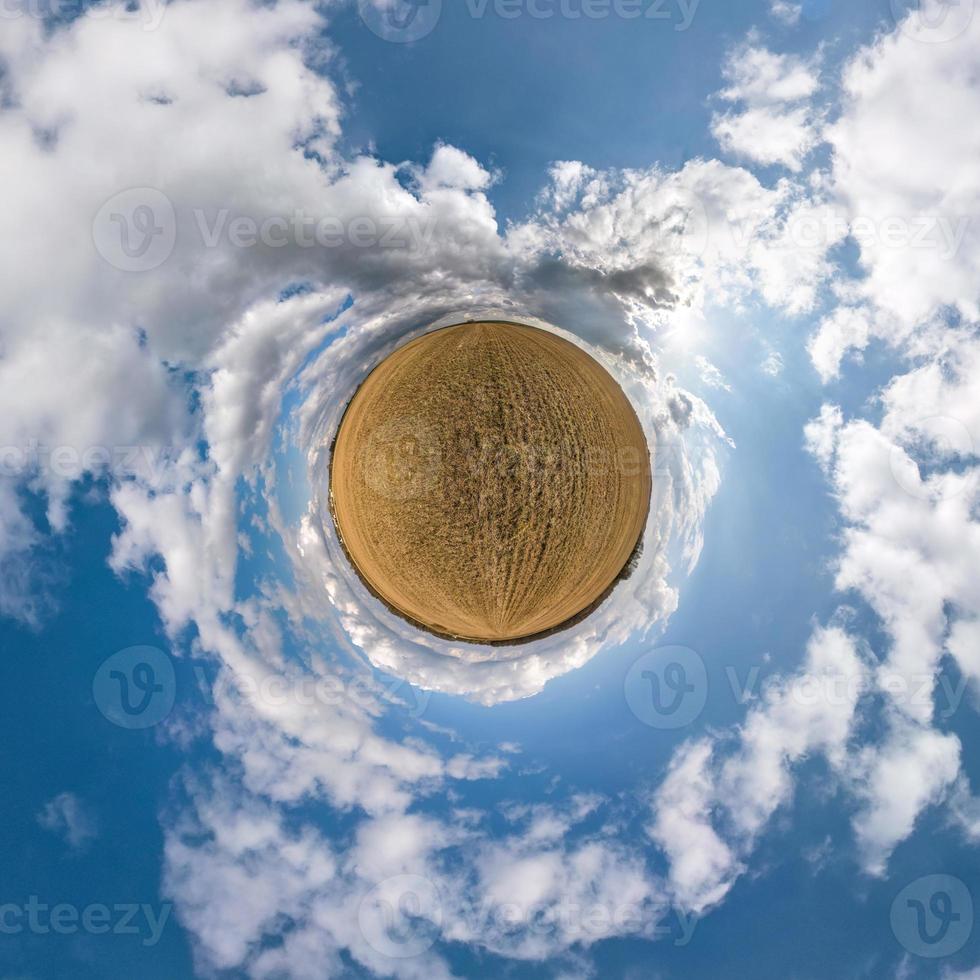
(490, 481)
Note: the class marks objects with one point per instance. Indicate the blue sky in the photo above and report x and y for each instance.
(334, 794)
(608, 91)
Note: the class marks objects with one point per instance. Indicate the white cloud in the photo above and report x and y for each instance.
(250, 871)
(777, 124)
(760, 76)
(718, 797)
(710, 375)
(909, 547)
(964, 644)
(702, 865)
(903, 170)
(22, 594)
(910, 770)
(452, 168)
(708, 234)
(939, 400)
(820, 435)
(965, 809)
(908, 485)
(767, 136)
(236, 867)
(786, 12)
(844, 329)
(773, 364)
(71, 818)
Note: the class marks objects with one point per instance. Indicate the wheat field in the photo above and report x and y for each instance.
(490, 482)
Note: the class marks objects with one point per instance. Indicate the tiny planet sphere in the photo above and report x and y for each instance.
(490, 482)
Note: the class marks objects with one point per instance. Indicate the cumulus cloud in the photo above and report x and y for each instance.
(908, 546)
(706, 235)
(406, 884)
(910, 538)
(702, 865)
(911, 193)
(758, 75)
(710, 374)
(721, 790)
(907, 481)
(845, 328)
(776, 123)
(786, 12)
(766, 136)
(912, 768)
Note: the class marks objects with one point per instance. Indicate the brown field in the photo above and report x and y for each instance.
(490, 481)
